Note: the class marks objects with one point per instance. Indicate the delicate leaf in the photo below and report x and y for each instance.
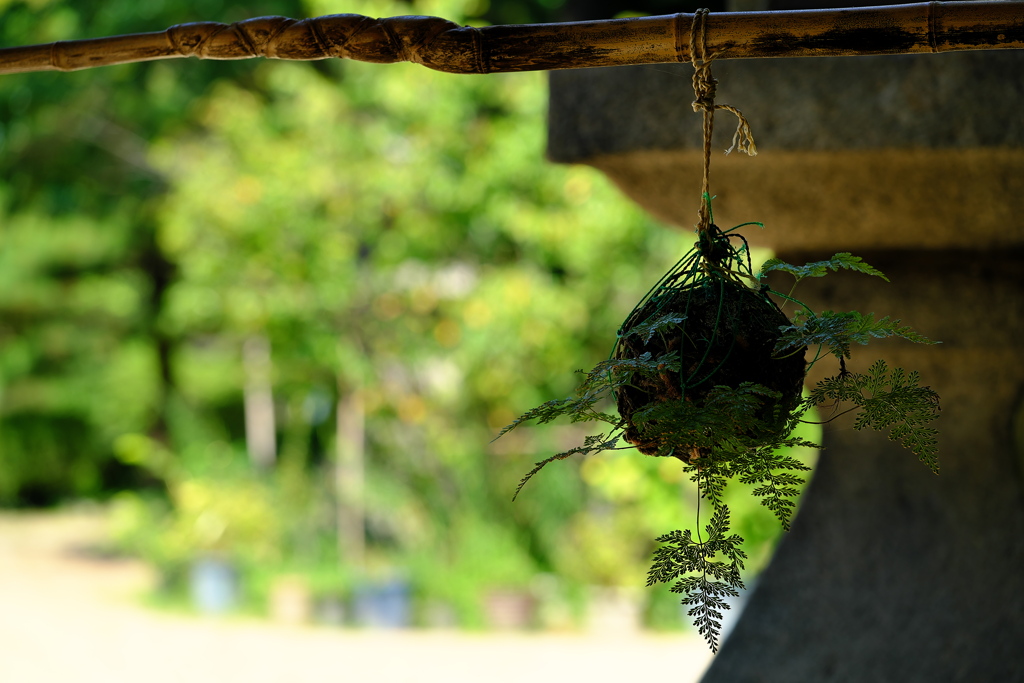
(703, 580)
(888, 399)
(647, 329)
(592, 444)
(542, 413)
(821, 268)
(838, 331)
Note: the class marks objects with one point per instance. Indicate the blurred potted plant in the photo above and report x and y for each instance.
(212, 528)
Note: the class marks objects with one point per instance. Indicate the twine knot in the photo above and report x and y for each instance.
(704, 84)
(704, 88)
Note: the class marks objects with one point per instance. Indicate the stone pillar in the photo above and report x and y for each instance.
(890, 573)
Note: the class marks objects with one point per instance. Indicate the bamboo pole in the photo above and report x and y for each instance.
(445, 46)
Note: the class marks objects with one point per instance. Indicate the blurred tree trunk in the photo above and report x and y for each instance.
(350, 477)
(260, 427)
(161, 273)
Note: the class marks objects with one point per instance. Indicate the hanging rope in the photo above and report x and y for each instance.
(704, 87)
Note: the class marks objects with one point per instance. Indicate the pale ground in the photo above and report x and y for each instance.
(71, 618)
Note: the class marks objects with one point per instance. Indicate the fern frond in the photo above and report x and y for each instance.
(888, 399)
(842, 260)
(703, 580)
(647, 328)
(840, 330)
(591, 445)
(597, 386)
(773, 470)
(546, 412)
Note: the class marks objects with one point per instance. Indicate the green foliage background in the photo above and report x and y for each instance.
(389, 230)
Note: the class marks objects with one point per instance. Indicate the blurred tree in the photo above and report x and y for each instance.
(420, 256)
(414, 275)
(84, 273)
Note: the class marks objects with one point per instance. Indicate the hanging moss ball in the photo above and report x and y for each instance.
(725, 335)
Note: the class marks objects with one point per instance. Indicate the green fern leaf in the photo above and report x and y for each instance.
(591, 445)
(543, 413)
(843, 260)
(648, 328)
(703, 581)
(839, 331)
(888, 399)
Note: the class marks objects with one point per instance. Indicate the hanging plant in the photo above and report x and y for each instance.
(708, 369)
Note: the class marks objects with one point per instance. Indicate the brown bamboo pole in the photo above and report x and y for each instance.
(445, 46)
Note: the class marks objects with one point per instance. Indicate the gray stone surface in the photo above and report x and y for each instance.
(901, 152)
(959, 100)
(891, 573)
(916, 163)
